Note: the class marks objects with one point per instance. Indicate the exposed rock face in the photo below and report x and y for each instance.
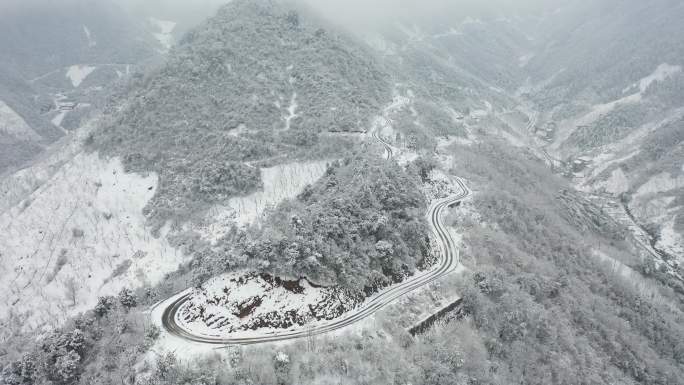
(250, 301)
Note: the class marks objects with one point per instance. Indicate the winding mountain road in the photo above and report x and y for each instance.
(448, 262)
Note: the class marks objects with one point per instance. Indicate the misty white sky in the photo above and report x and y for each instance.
(368, 12)
(350, 13)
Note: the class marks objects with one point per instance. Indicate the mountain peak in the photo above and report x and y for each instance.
(254, 71)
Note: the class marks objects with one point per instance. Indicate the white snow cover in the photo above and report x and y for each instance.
(14, 125)
(617, 183)
(383, 124)
(660, 74)
(230, 293)
(524, 60)
(165, 28)
(671, 241)
(281, 182)
(381, 44)
(59, 118)
(567, 127)
(660, 183)
(646, 287)
(412, 32)
(450, 32)
(78, 73)
(17, 186)
(89, 36)
(470, 20)
(62, 245)
(292, 111)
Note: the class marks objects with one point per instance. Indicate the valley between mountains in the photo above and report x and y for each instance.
(276, 192)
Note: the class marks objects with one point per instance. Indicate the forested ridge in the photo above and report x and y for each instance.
(550, 288)
(361, 226)
(222, 99)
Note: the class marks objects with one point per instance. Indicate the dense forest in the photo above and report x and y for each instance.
(551, 288)
(223, 98)
(361, 226)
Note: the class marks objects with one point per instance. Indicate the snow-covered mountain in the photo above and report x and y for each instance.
(610, 96)
(266, 176)
(80, 225)
(86, 48)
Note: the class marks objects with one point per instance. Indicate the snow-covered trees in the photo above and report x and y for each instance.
(127, 298)
(219, 182)
(364, 216)
(221, 98)
(104, 305)
(538, 291)
(67, 368)
(97, 347)
(21, 372)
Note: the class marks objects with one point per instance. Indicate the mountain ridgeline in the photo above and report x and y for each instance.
(238, 193)
(255, 82)
(60, 61)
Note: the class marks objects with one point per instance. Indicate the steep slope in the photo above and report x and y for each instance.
(229, 114)
(253, 83)
(85, 46)
(235, 156)
(604, 96)
(68, 33)
(25, 130)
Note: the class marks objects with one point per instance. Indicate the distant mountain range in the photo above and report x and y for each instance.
(60, 61)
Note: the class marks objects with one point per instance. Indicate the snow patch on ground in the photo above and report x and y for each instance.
(449, 33)
(165, 28)
(14, 125)
(512, 139)
(292, 110)
(381, 44)
(440, 186)
(617, 183)
(412, 32)
(567, 127)
(59, 118)
(480, 113)
(383, 123)
(89, 36)
(644, 286)
(18, 186)
(660, 74)
(78, 73)
(281, 182)
(242, 302)
(618, 267)
(80, 235)
(671, 241)
(472, 21)
(660, 183)
(444, 143)
(525, 59)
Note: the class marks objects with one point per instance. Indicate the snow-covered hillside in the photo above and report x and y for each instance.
(163, 32)
(243, 302)
(280, 182)
(75, 230)
(80, 235)
(77, 74)
(630, 148)
(14, 125)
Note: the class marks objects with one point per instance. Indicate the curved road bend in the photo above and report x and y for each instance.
(448, 261)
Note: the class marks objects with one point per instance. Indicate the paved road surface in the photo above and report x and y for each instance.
(448, 262)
